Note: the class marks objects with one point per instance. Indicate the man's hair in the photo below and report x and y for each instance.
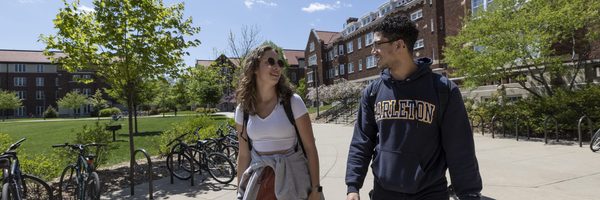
(398, 27)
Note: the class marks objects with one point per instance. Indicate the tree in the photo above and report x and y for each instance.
(97, 102)
(301, 89)
(73, 100)
(164, 98)
(205, 84)
(126, 42)
(8, 101)
(182, 98)
(241, 46)
(520, 39)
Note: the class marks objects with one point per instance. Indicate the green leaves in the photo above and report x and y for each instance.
(521, 36)
(9, 100)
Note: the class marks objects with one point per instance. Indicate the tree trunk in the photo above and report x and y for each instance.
(135, 116)
(131, 145)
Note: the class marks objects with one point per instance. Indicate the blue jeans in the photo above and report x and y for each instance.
(437, 191)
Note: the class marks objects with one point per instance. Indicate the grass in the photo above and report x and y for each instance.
(321, 109)
(42, 135)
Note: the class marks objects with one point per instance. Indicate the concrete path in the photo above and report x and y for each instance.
(510, 170)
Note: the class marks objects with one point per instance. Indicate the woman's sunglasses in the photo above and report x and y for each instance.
(272, 62)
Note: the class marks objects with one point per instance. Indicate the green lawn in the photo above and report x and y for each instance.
(42, 135)
(321, 109)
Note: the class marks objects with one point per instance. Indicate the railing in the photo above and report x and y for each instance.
(546, 128)
(590, 128)
(148, 171)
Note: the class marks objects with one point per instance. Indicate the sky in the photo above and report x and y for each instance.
(285, 22)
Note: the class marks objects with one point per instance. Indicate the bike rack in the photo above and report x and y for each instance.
(546, 128)
(192, 172)
(495, 118)
(480, 124)
(149, 172)
(589, 123)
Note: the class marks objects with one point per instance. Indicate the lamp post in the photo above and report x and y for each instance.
(316, 83)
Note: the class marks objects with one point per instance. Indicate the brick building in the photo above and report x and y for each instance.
(39, 83)
(347, 53)
(297, 65)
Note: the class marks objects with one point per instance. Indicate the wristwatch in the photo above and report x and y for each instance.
(319, 188)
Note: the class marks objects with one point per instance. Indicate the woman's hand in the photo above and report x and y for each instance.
(314, 195)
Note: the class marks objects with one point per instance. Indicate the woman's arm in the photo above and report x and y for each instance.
(243, 153)
(306, 135)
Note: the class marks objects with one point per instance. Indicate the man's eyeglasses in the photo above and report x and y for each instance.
(378, 43)
(272, 62)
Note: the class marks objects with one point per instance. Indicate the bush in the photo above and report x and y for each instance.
(107, 112)
(96, 133)
(50, 113)
(153, 112)
(207, 110)
(45, 166)
(5, 141)
(209, 130)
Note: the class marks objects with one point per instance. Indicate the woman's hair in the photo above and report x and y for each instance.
(247, 91)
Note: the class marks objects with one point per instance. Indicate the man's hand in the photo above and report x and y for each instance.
(353, 196)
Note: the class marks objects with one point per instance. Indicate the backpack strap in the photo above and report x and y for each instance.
(287, 106)
(244, 130)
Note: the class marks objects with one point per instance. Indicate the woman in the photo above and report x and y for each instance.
(273, 163)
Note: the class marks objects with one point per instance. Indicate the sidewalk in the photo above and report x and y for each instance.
(510, 170)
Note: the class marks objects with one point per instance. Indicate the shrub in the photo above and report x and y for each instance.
(207, 110)
(45, 166)
(96, 133)
(188, 126)
(153, 112)
(107, 112)
(50, 113)
(5, 141)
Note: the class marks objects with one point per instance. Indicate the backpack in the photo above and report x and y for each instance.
(442, 87)
(290, 115)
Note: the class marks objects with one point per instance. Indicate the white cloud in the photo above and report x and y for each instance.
(316, 6)
(250, 3)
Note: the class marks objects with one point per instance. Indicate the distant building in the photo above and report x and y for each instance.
(39, 83)
(297, 65)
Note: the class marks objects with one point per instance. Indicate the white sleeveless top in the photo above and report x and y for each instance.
(274, 132)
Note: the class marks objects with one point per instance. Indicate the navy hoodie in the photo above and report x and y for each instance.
(409, 147)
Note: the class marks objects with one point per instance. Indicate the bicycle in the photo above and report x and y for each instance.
(595, 142)
(184, 160)
(17, 185)
(86, 183)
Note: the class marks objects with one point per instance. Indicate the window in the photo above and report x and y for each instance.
(20, 112)
(359, 42)
(39, 95)
(416, 15)
(20, 81)
(335, 51)
(598, 71)
(369, 39)
(350, 47)
(310, 77)
(432, 29)
(21, 95)
(370, 62)
(39, 110)
(312, 46)
(294, 76)
(39, 81)
(40, 68)
(342, 69)
(359, 64)
(480, 5)
(312, 60)
(76, 77)
(86, 91)
(56, 81)
(350, 68)
(331, 72)
(19, 67)
(330, 55)
(419, 44)
(337, 70)
(87, 76)
(341, 49)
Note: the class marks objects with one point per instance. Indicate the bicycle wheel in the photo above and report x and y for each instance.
(35, 188)
(92, 187)
(595, 143)
(220, 168)
(231, 152)
(179, 165)
(68, 187)
(6, 191)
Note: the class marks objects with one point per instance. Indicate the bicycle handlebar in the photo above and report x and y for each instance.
(16, 145)
(78, 146)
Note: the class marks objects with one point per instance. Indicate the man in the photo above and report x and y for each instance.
(413, 124)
